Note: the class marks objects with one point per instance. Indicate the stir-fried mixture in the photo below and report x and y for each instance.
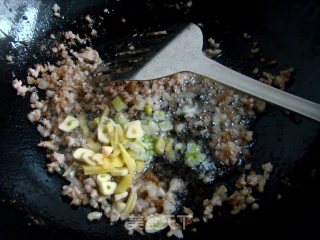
(126, 146)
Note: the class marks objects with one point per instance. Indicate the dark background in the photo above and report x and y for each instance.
(286, 30)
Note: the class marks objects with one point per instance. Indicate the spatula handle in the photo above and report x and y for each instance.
(212, 69)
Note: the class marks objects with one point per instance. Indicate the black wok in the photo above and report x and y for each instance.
(286, 30)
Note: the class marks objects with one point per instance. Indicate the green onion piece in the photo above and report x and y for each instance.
(96, 120)
(121, 118)
(193, 156)
(169, 145)
(93, 145)
(136, 148)
(147, 156)
(165, 126)
(141, 154)
(83, 125)
(193, 147)
(148, 142)
(150, 128)
(159, 146)
(159, 115)
(179, 146)
(141, 143)
(188, 111)
(142, 149)
(168, 150)
(148, 109)
(193, 159)
(118, 104)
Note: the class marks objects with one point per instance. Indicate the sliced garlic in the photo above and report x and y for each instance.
(107, 150)
(156, 223)
(120, 196)
(103, 178)
(110, 126)
(124, 184)
(87, 158)
(78, 153)
(83, 125)
(113, 163)
(102, 134)
(98, 158)
(107, 188)
(120, 133)
(160, 145)
(131, 202)
(120, 172)
(69, 124)
(105, 127)
(116, 153)
(129, 161)
(120, 206)
(134, 130)
(93, 145)
(140, 166)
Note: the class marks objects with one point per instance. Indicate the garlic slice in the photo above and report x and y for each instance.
(140, 166)
(103, 178)
(98, 158)
(134, 130)
(160, 145)
(120, 172)
(107, 188)
(106, 150)
(124, 184)
(131, 202)
(120, 206)
(102, 134)
(78, 153)
(120, 196)
(102, 131)
(105, 127)
(69, 124)
(156, 223)
(87, 158)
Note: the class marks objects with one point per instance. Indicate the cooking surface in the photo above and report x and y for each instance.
(288, 34)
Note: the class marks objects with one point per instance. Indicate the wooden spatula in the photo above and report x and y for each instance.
(182, 52)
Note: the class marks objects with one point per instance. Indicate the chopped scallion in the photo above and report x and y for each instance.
(118, 104)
